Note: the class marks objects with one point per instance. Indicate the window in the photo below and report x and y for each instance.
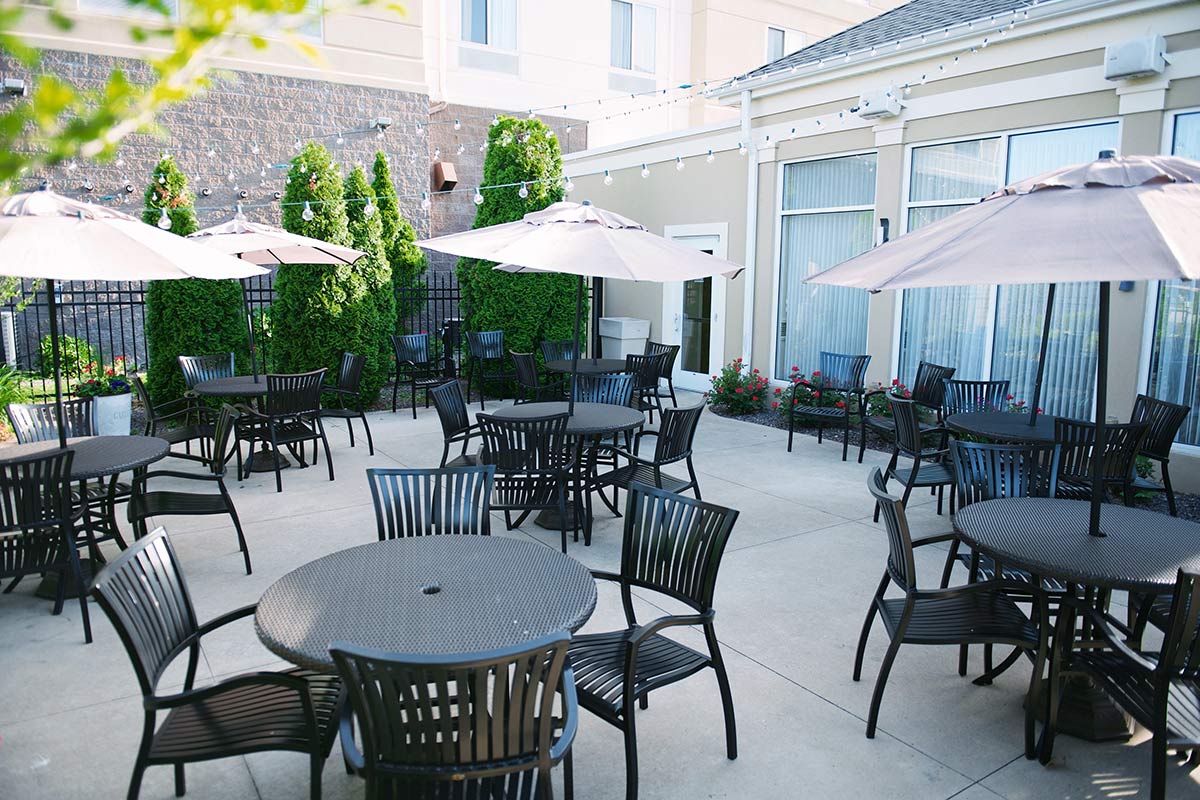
(775, 46)
(1175, 349)
(633, 35)
(995, 332)
(490, 22)
(122, 8)
(828, 215)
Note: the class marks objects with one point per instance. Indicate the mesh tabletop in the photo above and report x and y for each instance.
(98, 456)
(1002, 426)
(1141, 551)
(433, 595)
(241, 386)
(588, 366)
(589, 419)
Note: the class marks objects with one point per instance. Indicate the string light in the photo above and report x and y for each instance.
(478, 198)
(307, 213)
(568, 185)
(678, 163)
(457, 125)
(645, 171)
(708, 159)
(742, 150)
(164, 221)
(608, 178)
(426, 203)
(523, 192)
(369, 209)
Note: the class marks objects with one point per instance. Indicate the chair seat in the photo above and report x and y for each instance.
(832, 412)
(1133, 691)
(1075, 488)
(1146, 485)
(642, 473)
(185, 434)
(928, 474)
(599, 663)
(888, 424)
(465, 460)
(977, 617)
(341, 413)
(987, 571)
(166, 503)
(247, 720)
(294, 430)
(99, 491)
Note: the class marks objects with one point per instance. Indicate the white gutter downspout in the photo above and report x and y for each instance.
(751, 230)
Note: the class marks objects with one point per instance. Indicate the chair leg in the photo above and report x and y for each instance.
(324, 444)
(395, 389)
(718, 663)
(275, 458)
(1166, 476)
(413, 393)
(671, 391)
(370, 442)
(881, 682)
(180, 781)
(562, 514)
(911, 483)
(350, 430)
(568, 777)
(791, 427)
(951, 557)
(80, 590)
(1158, 766)
(866, 628)
(315, 763)
(237, 526)
(887, 473)
(862, 437)
(846, 436)
(631, 759)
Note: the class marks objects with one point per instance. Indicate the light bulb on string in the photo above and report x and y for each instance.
(478, 198)
(162, 179)
(457, 125)
(495, 120)
(231, 175)
(369, 209)
(164, 221)
(437, 153)
(742, 149)
(340, 139)
(645, 171)
(379, 134)
(262, 173)
(461, 149)
(710, 158)
(254, 148)
(984, 43)
(297, 144)
(523, 192)
(550, 133)
(426, 203)
(608, 179)
(120, 162)
(679, 164)
(897, 44)
(483, 147)
(568, 185)
(568, 131)
(212, 153)
(307, 213)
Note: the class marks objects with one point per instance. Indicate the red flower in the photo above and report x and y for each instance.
(110, 372)
(778, 391)
(895, 381)
(756, 372)
(739, 390)
(816, 373)
(754, 397)
(1039, 409)
(1009, 397)
(816, 394)
(774, 405)
(908, 394)
(714, 377)
(719, 390)
(840, 404)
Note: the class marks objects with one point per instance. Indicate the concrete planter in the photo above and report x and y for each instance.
(113, 414)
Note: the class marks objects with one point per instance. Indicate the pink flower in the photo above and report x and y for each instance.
(754, 397)
(739, 390)
(816, 373)
(895, 381)
(775, 405)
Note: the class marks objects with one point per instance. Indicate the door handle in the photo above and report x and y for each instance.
(677, 323)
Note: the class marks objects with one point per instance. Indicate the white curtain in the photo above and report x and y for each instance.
(474, 21)
(504, 24)
(622, 34)
(643, 38)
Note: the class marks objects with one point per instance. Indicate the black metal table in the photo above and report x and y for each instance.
(588, 366)
(1141, 551)
(95, 457)
(245, 386)
(1004, 426)
(434, 595)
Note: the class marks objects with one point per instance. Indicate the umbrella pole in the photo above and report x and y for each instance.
(250, 329)
(52, 305)
(1041, 369)
(575, 350)
(1099, 446)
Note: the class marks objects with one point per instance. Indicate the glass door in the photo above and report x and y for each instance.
(693, 313)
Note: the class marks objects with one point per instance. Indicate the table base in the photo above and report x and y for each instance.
(48, 588)
(263, 460)
(549, 519)
(1087, 713)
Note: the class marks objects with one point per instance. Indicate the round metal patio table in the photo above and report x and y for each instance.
(588, 366)
(1141, 551)
(1004, 426)
(432, 595)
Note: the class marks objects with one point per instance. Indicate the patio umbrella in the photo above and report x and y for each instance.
(48, 236)
(266, 244)
(1115, 219)
(583, 240)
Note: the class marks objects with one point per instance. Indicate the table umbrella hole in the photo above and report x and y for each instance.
(432, 588)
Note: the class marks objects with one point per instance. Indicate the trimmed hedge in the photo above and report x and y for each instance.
(379, 306)
(529, 307)
(189, 316)
(406, 259)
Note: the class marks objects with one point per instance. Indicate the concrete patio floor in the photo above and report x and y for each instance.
(801, 567)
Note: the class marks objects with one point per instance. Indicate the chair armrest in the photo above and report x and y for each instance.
(240, 682)
(170, 473)
(949, 536)
(874, 392)
(183, 412)
(604, 575)
(225, 619)
(646, 630)
(562, 745)
(350, 751)
(1103, 626)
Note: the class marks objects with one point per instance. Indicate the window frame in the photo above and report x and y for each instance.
(633, 31)
(1150, 312)
(783, 43)
(777, 257)
(138, 12)
(318, 37)
(993, 289)
(488, 46)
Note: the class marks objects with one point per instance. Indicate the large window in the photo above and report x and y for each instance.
(775, 44)
(828, 216)
(633, 33)
(995, 332)
(123, 8)
(490, 22)
(1175, 348)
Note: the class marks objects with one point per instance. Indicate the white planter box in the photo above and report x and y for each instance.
(113, 414)
(621, 336)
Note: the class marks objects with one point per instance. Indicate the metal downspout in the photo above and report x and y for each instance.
(751, 230)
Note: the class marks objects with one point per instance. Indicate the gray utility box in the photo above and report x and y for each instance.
(620, 336)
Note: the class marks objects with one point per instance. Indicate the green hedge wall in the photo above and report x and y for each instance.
(529, 308)
(405, 258)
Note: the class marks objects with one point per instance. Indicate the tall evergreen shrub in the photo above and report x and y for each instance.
(406, 259)
(378, 312)
(528, 307)
(190, 316)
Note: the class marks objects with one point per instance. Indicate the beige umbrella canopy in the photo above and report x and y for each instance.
(45, 235)
(266, 244)
(1115, 219)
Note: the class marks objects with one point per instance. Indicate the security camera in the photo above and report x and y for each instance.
(277, 195)
(129, 188)
(205, 192)
(243, 194)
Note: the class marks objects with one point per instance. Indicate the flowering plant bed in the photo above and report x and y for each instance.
(737, 390)
(104, 381)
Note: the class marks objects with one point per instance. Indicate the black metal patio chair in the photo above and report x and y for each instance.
(614, 389)
(490, 725)
(177, 421)
(1161, 690)
(534, 464)
(965, 397)
(38, 422)
(975, 613)
(37, 526)
(146, 598)
(416, 367)
(291, 416)
(487, 362)
(1164, 420)
(672, 546)
(425, 502)
(668, 366)
(558, 351)
(931, 466)
(456, 423)
(348, 389)
(927, 392)
(197, 369)
(646, 371)
(530, 387)
(1075, 467)
(840, 374)
(144, 504)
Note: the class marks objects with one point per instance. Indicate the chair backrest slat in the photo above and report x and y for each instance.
(1180, 654)
(646, 370)
(35, 500)
(451, 408)
(486, 345)
(1164, 420)
(672, 353)
(843, 371)
(460, 717)
(206, 368)
(425, 502)
(908, 426)
(411, 348)
(901, 564)
(929, 387)
(37, 422)
(527, 371)
(674, 544)
(350, 371)
(558, 351)
(1078, 440)
(677, 432)
(221, 439)
(986, 471)
(532, 444)
(963, 397)
(295, 394)
(613, 389)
